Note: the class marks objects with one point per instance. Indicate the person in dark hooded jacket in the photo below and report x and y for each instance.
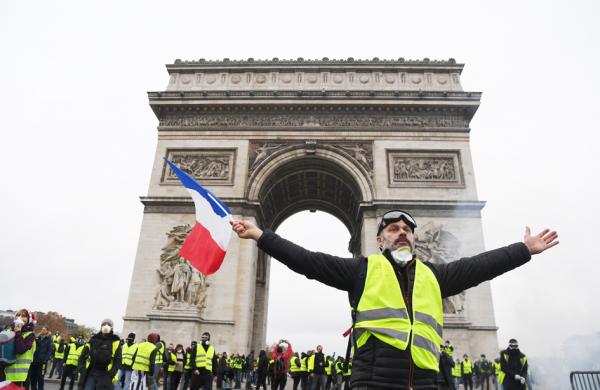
(103, 352)
(378, 363)
(43, 352)
(513, 363)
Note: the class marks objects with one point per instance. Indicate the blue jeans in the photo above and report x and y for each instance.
(127, 384)
(318, 381)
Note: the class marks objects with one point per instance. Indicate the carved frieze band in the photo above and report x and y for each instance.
(424, 121)
(210, 166)
(361, 152)
(304, 79)
(409, 168)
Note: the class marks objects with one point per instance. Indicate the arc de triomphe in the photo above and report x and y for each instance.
(350, 137)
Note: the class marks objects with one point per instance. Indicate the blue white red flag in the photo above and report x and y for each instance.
(206, 245)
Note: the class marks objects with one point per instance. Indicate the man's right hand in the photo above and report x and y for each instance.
(245, 229)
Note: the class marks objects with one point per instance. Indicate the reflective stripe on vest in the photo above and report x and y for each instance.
(349, 371)
(204, 358)
(172, 363)
(17, 372)
(293, 366)
(127, 353)
(160, 353)
(304, 364)
(142, 358)
(74, 353)
(467, 367)
(59, 355)
(382, 312)
(311, 363)
(187, 362)
(456, 370)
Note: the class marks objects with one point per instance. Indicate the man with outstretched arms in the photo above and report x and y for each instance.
(396, 298)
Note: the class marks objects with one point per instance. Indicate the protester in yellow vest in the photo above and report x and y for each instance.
(295, 370)
(128, 350)
(187, 368)
(203, 361)
(71, 364)
(513, 364)
(100, 359)
(144, 362)
(23, 325)
(59, 357)
(466, 369)
(169, 362)
(396, 298)
(178, 360)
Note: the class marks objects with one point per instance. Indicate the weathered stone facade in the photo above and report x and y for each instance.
(271, 138)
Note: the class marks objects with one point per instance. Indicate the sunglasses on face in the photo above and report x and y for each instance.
(395, 216)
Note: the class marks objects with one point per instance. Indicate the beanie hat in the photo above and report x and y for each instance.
(153, 338)
(107, 321)
(131, 335)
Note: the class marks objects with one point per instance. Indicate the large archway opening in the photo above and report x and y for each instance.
(296, 304)
(314, 201)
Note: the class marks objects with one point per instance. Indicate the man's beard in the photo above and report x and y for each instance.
(393, 245)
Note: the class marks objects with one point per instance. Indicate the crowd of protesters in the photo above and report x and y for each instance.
(107, 362)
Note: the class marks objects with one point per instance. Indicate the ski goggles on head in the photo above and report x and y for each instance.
(395, 216)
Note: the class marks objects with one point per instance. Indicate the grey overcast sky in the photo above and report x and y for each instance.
(78, 140)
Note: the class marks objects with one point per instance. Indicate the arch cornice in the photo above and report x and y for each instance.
(338, 157)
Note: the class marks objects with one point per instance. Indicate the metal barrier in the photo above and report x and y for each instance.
(585, 380)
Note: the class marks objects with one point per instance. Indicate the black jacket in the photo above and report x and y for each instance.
(510, 364)
(377, 363)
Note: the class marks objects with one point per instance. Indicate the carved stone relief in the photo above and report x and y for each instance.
(434, 244)
(209, 166)
(360, 151)
(424, 169)
(180, 285)
(322, 120)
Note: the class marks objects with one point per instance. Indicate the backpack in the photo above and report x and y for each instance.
(279, 367)
(101, 353)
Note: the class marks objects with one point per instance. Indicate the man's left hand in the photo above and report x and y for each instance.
(546, 239)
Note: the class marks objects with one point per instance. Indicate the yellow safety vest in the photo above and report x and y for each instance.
(382, 312)
(127, 353)
(328, 364)
(293, 366)
(74, 354)
(449, 350)
(142, 358)
(160, 353)
(204, 359)
(349, 371)
(115, 346)
(304, 364)
(456, 371)
(173, 362)
(339, 368)
(187, 365)
(17, 372)
(467, 367)
(311, 363)
(502, 374)
(59, 355)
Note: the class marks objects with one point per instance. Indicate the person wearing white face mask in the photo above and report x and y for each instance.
(396, 298)
(23, 325)
(103, 352)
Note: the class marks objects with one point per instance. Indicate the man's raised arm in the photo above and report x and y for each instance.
(331, 270)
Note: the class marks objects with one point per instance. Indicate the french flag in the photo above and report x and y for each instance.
(206, 245)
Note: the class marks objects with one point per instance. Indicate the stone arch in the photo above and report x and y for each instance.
(323, 178)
